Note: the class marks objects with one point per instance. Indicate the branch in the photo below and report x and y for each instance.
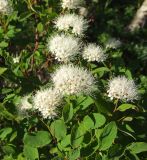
(139, 18)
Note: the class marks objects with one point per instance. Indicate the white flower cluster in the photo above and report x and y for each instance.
(122, 88)
(63, 47)
(24, 104)
(72, 4)
(77, 24)
(47, 101)
(69, 79)
(113, 43)
(93, 52)
(5, 7)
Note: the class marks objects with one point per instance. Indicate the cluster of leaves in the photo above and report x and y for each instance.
(89, 127)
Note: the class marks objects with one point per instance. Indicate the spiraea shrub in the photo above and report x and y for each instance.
(73, 81)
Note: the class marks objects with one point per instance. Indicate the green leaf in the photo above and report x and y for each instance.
(83, 102)
(89, 150)
(5, 113)
(116, 151)
(38, 139)
(74, 154)
(108, 135)
(3, 44)
(31, 153)
(8, 150)
(40, 27)
(67, 112)
(99, 120)
(102, 106)
(101, 71)
(137, 147)
(13, 136)
(66, 141)
(125, 107)
(25, 15)
(86, 124)
(87, 102)
(4, 132)
(2, 70)
(77, 136)
(58, 129)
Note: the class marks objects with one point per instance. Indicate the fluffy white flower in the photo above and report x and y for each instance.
(46, 101)
(77, 24)
(24, 104)
(16, 59)
(113, 43)
(122, 88)
(5, 7)
(93, 52)
(72, 4)
(69, 79)
(63, 47)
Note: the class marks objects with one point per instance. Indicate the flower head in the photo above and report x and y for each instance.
(16, 58)
(24, 104)
(77, 24)
(122, 88)
(47, 101)
(113, 43)
(93, 52)
(72, 4)
(63, 47)
(5, 7)
(69, 79)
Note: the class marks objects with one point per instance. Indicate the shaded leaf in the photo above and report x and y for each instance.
(108, 135)
(67, 112)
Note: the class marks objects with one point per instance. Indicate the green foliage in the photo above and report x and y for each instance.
(108, 135)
